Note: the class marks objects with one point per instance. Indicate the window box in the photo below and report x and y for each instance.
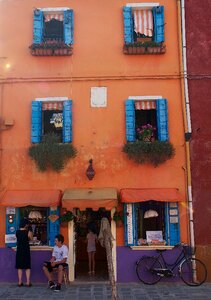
(144, 48)
(55, 48)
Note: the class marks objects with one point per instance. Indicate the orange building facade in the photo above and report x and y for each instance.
(100, 77)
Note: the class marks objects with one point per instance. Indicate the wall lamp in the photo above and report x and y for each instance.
(90, 172)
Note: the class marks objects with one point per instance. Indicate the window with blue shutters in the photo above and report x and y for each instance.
(148, 219)
(146, 120)
(143, 29)
(52, 32)
(51, 117)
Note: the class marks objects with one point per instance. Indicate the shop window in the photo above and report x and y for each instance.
(37, 217)
(44, 222)
(51, 117)
(150, 218)
(151, 223)
(146, 120)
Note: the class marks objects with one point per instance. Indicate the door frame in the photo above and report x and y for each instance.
(71, 239)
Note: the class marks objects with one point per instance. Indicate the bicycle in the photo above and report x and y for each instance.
(150, 269)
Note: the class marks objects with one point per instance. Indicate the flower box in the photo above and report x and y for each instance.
(144, 48)
(51, 48)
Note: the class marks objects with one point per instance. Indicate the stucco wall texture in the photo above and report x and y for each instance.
(98, 133)
(198, 25)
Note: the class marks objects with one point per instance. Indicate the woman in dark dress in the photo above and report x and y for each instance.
(23, 258)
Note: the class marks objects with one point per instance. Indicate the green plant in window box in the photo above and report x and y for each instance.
(67, 217)
(51, 154)
(118, 217)
(154, 153)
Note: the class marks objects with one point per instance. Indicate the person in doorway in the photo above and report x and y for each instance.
(23, 257)
(91, 248)
(57, 261)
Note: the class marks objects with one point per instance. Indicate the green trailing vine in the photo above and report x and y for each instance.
(51, 154)
(154, 153)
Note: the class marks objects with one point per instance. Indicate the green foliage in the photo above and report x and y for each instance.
(67, 217)
(118, 216)
(51, 154)
(154, 153)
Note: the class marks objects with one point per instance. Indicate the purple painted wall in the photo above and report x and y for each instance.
(198, 24)
(8, 272)
(127, 258)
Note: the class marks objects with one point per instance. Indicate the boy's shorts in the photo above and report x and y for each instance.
(47, 264)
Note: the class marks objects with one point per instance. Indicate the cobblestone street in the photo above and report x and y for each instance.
(94, 291)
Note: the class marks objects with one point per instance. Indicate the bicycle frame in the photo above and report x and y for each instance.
(175, 264)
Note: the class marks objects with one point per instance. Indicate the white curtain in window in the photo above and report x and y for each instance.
(143, 22)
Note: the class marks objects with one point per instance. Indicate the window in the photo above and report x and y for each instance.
(144, 28)
(51, 117)
(151, 222)
(44, 228)
(146, 116)
(53, 31)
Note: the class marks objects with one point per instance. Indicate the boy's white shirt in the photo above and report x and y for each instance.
(60, 252)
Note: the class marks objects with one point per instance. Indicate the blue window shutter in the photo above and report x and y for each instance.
(36, 122)
(54, 227)
(162, 119)
(67, 121)
(38, 26)
(12, 227)
(158, 17)
(128, 25)
(172, 223)
(130, 120)
(68, 26)
(130, 224)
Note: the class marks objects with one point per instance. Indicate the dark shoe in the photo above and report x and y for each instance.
(57, 288)
(29, 285)
(51, 284)
(20, 284)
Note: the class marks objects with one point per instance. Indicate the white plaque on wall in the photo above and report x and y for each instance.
(98, 96)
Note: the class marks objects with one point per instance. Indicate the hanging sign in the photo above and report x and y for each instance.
(53, 218)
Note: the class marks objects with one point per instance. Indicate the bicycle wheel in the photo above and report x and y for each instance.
(193, 272)
(145, 270)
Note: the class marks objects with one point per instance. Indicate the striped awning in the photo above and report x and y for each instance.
(143, 22)
(56, 16)
(52, 106)
(145, 105)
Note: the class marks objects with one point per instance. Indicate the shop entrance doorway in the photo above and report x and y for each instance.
(85, 221)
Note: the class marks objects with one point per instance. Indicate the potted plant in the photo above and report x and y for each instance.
(146, 133)
(66, 217)
(118, 217)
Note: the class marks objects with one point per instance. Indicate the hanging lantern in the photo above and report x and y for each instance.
(90, 173)
(35, 214)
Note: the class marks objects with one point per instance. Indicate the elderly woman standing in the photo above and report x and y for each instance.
(23, 258)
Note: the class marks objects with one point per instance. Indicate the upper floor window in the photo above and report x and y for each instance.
(143, 28)
(51, 117)
(52, 31)
(146, 119)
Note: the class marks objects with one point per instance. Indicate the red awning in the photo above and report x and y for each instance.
(141, 195)
(42, 198)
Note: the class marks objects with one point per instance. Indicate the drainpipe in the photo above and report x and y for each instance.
(186, 110)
